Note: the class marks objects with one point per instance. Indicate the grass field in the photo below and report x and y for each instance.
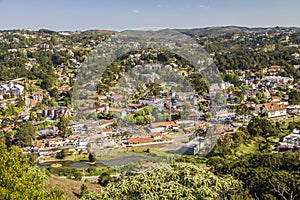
(248, 148)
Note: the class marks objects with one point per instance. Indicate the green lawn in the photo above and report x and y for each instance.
(133, 151)
(248, 148)
(296, 119)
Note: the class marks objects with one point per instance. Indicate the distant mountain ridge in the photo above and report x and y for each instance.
(212, 30)
(233, 29)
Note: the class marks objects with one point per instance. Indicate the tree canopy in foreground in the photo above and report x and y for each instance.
(21, 180)
(178, 181)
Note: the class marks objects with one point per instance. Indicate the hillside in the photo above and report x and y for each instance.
(71, 187)
(232, 29)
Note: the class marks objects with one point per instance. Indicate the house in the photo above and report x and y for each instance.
(157, 137)
(101, 108)
(119, 111)
(54, 113)
(276, 99)
(4, 89)
(168, 125)
(277, 79)
(104, 123)
(82, 145)
(48, 132)
(72, 140)
(271, 109)
(38, 144)
(115, 97)
(131, 108)
(17, 90)
(290, 141)
(54, 142)
(162, 126)
(274, 69)
(11, 88)
(149, 101)
(106, 131)
(37, 96)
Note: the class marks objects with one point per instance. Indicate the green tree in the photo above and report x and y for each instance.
(92, 157)
(24, 135)
(63, 127)
(20, 179)
(207, 115)
(294, 97)
(179, 181)
(261, 127)
(54, 93)
(83, 190)
(267, 176)
(104, 178)
(62, 154)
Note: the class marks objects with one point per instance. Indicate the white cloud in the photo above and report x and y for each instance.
(136, 11)
(203, 6)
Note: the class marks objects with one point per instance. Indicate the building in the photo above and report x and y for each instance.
(11, 88)
(157, 137)
(193, 147)
(162, 126)
(106, 131)
(55, 113)
(37, 96)
(271, 109)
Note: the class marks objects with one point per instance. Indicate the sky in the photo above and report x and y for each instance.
(61, 15)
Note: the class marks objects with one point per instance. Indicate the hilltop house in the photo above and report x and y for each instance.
(271, 109)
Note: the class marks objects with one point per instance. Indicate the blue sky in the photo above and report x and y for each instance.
(142, 14)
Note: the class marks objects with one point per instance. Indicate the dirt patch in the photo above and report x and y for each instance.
(70, 187)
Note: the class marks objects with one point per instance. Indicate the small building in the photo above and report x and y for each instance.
(106, 131)
(37, 96)
(157, 137)
(162, 126)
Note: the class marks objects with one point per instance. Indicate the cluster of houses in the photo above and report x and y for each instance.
(11, 89)
(290, 141)
(49, 143)
(266, 81)
(56, 112)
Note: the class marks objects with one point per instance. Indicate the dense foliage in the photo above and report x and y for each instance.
(20, 179)
(267, 176)
(179, 181)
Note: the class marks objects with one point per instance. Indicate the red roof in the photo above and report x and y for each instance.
(276, 67)
(37, 143)
(146, 139)
(272, 106)
(140, 140)
(106, 130)
(164, 124)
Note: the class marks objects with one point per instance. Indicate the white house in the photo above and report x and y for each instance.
(271, 109)
(11, 88)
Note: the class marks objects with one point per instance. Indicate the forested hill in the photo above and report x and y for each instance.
(232, 29)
